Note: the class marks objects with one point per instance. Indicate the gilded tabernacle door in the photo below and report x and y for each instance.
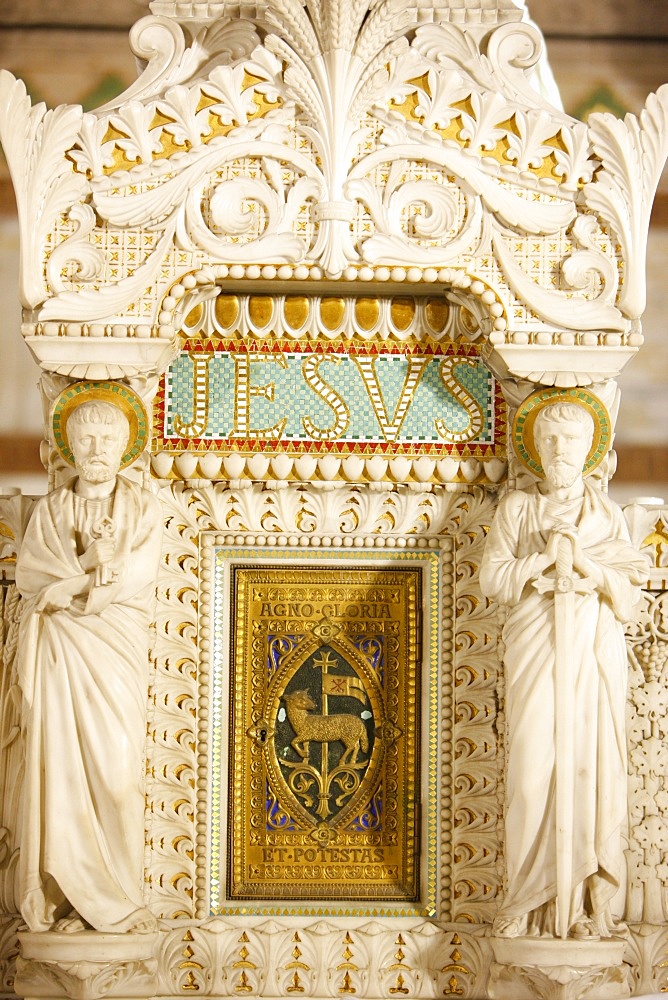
(324, 782)
(341, 697)
(324, 695)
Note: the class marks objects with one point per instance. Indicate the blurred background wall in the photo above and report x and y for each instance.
(606, 55)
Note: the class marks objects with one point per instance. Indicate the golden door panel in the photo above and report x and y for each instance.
(325, 735)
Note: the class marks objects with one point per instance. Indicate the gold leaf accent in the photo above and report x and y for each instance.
(194, 317)
(295, 311)
(367, 312)
(332, 311)
(227, 310)
(437, 312)
(260, 310)
(402, 312)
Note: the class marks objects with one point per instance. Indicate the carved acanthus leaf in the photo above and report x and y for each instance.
(230, 206)
(571, 312)
(76, 256)
(434, 232)
(632, 151)
(90, 304)
(512, 52)
(35, 142)
(159, 43)
(510, 206)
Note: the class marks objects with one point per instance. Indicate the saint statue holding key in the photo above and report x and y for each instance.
(86, 572)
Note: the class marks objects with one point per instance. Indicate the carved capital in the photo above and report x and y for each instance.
(558, 970)
(86, 965)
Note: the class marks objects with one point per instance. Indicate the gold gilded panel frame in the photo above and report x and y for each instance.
(325, 741)
(216, 892)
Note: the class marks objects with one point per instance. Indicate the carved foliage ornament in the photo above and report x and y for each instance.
(329, 139)
(467, 869)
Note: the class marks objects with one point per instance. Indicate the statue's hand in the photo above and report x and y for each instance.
(552, 547)
(588, 568)
(563, 529)
(99, 553)
(582, 564)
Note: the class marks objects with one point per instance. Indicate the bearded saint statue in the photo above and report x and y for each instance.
(564, 513)
(86, 571)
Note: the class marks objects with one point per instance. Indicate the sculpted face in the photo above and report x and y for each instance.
(562, 446)
(98, 448)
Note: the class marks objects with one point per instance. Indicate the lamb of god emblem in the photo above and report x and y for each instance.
(343, 729)
(324, 710)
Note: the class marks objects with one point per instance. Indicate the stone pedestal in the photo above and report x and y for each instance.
(86, 965)
(549, 969)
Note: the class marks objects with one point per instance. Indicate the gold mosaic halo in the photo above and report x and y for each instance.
(106, 392)
(525, 419)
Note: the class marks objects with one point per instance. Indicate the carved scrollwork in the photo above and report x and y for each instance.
(353, 142)
(578, 270)
(76, 257)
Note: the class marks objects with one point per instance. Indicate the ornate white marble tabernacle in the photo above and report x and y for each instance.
(353, 682)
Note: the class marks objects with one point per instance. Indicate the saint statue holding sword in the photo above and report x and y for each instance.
(559, 558)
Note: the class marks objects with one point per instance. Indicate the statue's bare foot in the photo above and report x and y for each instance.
(586, 929)
(71, 924)
(142, 921)
(510, 926)
(610, 927)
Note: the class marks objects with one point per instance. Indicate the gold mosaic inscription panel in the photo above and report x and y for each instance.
(324, 749)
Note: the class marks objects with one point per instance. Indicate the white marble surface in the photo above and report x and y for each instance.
(86, 571)
(20, 406)
(559, 559)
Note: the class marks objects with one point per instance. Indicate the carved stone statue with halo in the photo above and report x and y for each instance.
(558, 556)
(86, 571)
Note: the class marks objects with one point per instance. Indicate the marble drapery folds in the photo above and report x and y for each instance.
(84, 676)
(513, 555)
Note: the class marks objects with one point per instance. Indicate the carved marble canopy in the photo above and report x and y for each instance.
(357, 147)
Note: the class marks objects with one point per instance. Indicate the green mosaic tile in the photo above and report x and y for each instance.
(346, 409)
